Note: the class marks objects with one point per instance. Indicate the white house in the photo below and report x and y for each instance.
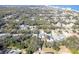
(24, 27)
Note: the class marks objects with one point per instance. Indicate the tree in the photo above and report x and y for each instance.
(56, 46)
(33, 46)
(45, 44)
(72, 43)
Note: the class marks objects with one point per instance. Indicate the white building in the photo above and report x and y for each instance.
(24, 27)
(42, 34)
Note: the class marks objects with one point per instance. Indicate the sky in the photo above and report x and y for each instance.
(74, 4)
(74, 7)
(39, 2)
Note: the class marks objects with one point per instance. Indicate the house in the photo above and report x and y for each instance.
(69, 25)
(49, 38)
(53, 36)
(32, 27)
(14, 35)
(24, 27)
(58, 24)
(17, 20)
(35, 35)
(32, 18)
(42, 34)
(4, 34)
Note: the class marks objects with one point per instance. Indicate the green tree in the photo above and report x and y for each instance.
(33, 46)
